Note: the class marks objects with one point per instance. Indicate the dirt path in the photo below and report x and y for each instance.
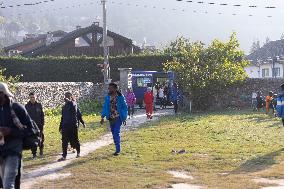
(50, 171)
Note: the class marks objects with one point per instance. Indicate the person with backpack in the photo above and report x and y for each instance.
(69, 126)
(130, 100)
(148, 100)
(14, 123)
(35, 111)
(115, 110)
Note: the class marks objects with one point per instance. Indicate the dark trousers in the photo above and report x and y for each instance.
(283, 121)
(130, 110)
(115, 130)
(41, 145)
(176, 106)
(70, 135)
(10, 172)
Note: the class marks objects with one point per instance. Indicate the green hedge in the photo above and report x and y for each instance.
(76, 69)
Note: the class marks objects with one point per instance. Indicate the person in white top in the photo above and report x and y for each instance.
(155, 94)
(161, 96)
(161, 93)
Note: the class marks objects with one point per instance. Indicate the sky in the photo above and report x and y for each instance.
(161, 21)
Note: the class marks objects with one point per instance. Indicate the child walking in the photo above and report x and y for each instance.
(130, 100)
(149, 100)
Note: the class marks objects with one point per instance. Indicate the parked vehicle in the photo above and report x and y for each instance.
(141, 80)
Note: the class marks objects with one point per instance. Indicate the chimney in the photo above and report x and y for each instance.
(96, 23)
(78, 27)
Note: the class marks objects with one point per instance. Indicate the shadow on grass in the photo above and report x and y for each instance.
(32, 163)
(93, 125)
(277, 124)
(259, 163)
(88, 159)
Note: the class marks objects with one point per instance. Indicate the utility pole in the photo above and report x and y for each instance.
(106, 70)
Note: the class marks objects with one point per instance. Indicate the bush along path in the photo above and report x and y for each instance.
(50, 171)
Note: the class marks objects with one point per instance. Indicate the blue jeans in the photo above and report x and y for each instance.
(9, 169)
(115, 130)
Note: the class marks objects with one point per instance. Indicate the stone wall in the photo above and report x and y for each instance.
(51, 94)
(240, 95)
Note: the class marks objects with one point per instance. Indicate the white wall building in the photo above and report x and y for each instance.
(266, 70)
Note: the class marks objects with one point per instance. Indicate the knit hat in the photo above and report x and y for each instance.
(149, 89)
(4, 88)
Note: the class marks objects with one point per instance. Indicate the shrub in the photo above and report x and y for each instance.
(76, 69)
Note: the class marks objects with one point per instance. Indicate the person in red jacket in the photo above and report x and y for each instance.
(149, 99)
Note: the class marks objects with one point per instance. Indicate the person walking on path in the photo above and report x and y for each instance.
(69, 126)
(175, 96)
(115, 110)
(34, 108)
(79, 120)
(13, 119)
(155, 94)
(148, 100)
(280, 104)
(130, 100)
(166, 95)
(161, 96)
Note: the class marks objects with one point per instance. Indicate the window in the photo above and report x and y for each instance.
(162, 80)
(265, 72)
(144, 82)
(276, 72)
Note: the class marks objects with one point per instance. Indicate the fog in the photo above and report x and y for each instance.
(160, 21)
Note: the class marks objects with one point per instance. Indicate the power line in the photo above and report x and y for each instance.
(24, 4)
(174, 9)
(54, 9)
(145, 6)
(187, 1)
(226, 4)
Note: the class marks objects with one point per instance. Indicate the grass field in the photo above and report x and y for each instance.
(223, 150)
(53, 138)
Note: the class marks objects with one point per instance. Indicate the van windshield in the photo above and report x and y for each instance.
(144, 82)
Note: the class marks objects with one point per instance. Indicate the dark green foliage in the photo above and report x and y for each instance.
(76, 69)
(205, 72)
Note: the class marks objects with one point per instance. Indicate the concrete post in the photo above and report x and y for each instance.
(125, 80)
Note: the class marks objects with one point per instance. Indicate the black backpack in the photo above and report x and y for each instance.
(31, 138)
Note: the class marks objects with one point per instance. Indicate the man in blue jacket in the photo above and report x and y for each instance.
(280, 104)
(115, 110)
